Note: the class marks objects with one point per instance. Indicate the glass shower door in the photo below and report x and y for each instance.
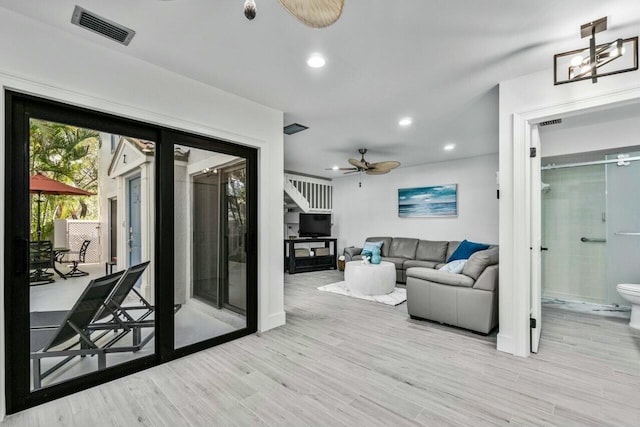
(623, 224)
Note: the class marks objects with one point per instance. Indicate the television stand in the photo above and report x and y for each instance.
(301, 261)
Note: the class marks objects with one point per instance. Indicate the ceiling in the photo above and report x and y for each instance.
(436, 61)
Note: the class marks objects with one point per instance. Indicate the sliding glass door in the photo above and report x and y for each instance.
(127, 245)
(212, 213)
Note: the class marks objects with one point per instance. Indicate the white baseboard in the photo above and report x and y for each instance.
(505, 343)
(273, 321)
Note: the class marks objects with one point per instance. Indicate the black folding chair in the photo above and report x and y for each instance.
(82, 254)
(40, 260)
(71, 330)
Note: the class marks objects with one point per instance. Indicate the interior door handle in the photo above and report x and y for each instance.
(542, 248)
(625, 233)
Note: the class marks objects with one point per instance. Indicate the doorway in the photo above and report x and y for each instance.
(98, 326)
(584, 214)
(113, 230)
(591, 226)
(134, 221)
(206, 229)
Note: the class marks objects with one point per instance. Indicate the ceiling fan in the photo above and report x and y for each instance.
(313, 13)
(378, 168)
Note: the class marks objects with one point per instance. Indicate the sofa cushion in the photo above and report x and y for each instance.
(466, 249)
(454, 266)
(402, 247)
(398, 262)
(419, 263)
(453, 245)
(441, 277)
(479, 261)
(386, 244)
(356, 257)
(432, 251)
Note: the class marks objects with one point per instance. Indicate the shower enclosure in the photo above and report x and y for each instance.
(591, 227)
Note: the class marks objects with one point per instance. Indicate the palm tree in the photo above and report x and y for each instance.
(68, 154)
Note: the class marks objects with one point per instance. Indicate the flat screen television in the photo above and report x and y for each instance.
(314, 225)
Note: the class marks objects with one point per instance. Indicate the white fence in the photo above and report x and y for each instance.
(70, 233)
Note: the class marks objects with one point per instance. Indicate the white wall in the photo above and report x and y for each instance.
(39, 59)
(535, 96)
(624, 132)
(372, 210)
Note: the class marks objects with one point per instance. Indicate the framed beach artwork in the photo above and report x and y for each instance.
(420, 202)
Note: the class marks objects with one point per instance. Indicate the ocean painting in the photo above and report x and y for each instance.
(439, 201)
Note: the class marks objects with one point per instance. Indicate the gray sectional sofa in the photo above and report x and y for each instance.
(406, 253)
(468, 300)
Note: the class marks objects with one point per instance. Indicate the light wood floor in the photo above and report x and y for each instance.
(344, 361)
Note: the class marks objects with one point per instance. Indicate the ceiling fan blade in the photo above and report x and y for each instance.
(341, 169)
(384, 165)
(355, 171)
(377, 171)
(314, 13)
(358, 164)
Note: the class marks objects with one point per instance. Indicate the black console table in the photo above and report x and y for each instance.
(305, 262)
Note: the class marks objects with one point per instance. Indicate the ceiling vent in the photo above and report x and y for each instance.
(97, 24)
(551, 122)
(294, 128)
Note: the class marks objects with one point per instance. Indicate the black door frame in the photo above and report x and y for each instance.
(19, 108)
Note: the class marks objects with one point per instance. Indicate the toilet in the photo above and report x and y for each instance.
(631, 292)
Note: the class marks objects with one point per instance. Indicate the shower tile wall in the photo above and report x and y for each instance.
(574, 207)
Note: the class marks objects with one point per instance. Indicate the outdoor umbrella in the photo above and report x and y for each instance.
(40, 184)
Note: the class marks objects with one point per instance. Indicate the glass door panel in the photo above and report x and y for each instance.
(91, 299)
(235, 205)
(623, 225)
(210, 216)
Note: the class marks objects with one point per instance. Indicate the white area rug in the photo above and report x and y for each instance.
(398, 296)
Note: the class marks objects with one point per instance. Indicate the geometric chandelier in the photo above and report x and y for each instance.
(618, 56)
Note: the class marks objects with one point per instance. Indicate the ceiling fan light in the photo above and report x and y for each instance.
(250, 9)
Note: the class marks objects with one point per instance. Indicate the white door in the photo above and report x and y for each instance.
(536, 242)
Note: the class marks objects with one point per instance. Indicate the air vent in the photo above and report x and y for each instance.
(294, 128)
(92, 22)
(551, 122)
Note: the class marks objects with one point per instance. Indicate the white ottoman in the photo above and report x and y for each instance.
(370, 279)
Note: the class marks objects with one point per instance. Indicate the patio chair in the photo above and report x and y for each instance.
(110, 317)
(82, 254)
(71, 332)
(40, 260)
(113, 315)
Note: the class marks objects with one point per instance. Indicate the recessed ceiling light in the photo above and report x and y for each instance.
(316, 61)
(405, 121)
(335, 168)
(449, 147)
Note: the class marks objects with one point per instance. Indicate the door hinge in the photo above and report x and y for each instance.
(532, 323)
(533, 151)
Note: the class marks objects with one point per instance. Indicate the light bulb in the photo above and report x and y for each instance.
(576, 60)
(250, 9)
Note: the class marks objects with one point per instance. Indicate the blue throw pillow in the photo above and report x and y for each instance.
(367, 250)
(466, 249)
